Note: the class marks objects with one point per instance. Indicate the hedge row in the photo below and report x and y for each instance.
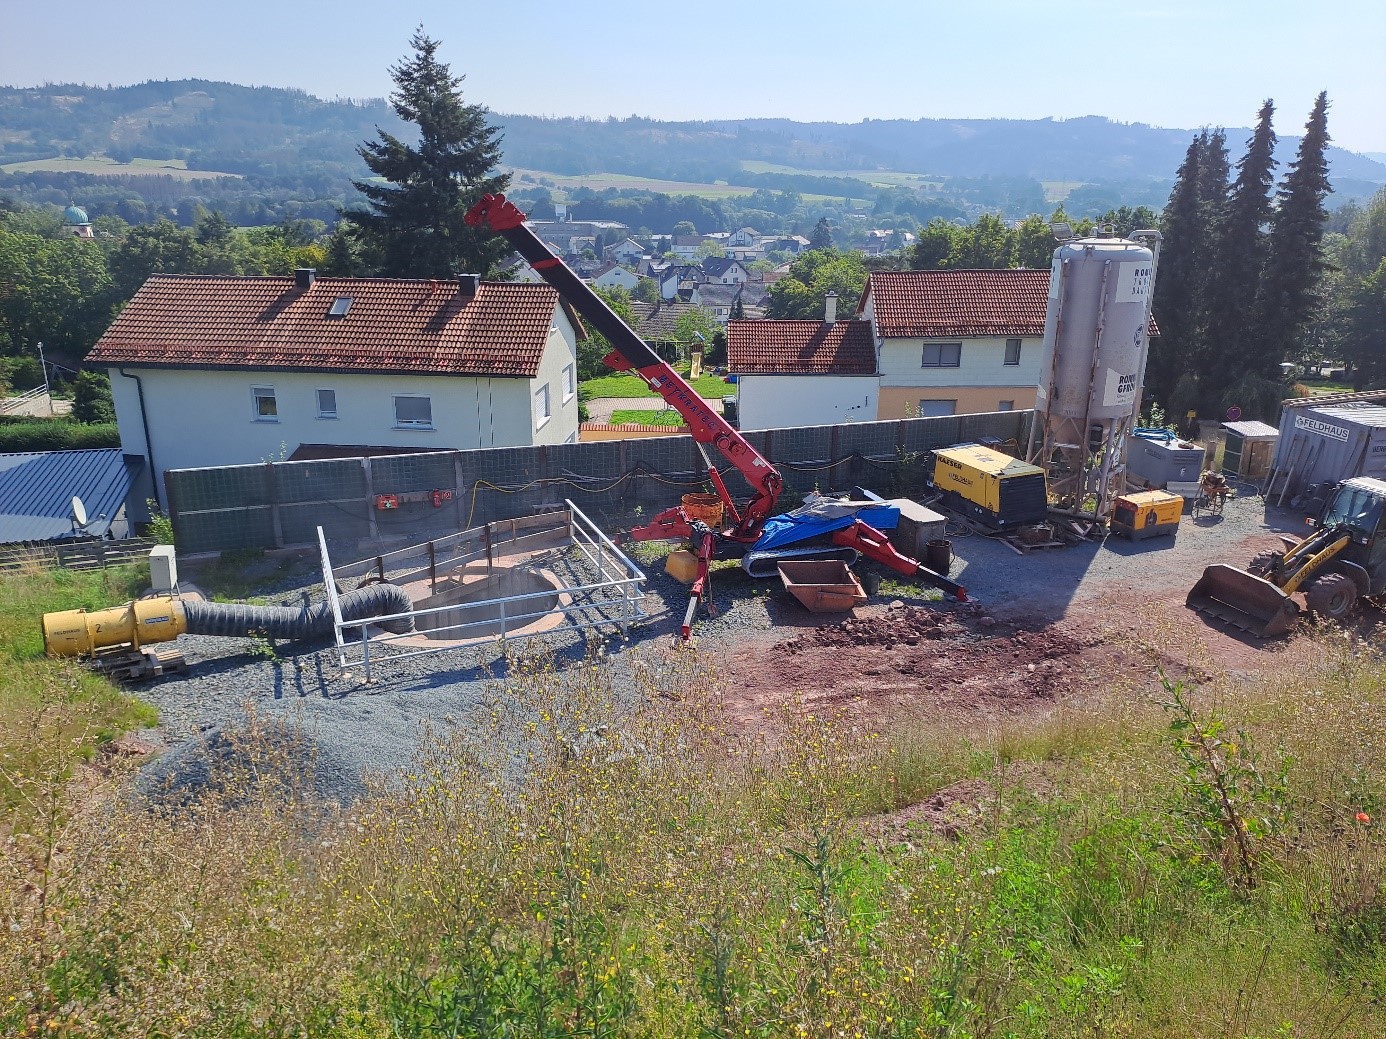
(51, 435)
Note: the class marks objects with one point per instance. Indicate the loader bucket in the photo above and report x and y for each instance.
(1243, 600)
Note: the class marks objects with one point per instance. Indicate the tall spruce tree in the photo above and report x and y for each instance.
(414, 227)
(1176, 288)
(1238, 372)
(822, 236)
(1295, 263)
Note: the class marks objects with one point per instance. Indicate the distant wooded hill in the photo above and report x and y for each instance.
(292, 147)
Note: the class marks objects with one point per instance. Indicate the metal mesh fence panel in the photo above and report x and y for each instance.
(281, 504)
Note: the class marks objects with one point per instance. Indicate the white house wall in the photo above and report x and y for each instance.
(981, 363)
(200, 418)
(778, 401)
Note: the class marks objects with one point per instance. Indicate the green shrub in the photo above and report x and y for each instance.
(56, 435)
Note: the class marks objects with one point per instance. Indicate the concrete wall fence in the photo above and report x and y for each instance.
(280, 504)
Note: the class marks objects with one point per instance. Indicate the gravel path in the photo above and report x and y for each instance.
(352, 728)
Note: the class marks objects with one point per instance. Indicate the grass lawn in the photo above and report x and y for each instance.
(641, 417)
(710, 386)
(54, 712)
(1318, 387)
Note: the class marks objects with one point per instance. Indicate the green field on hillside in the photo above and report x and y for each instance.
(102, 166)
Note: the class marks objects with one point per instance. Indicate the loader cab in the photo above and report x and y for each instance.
(1359, 506)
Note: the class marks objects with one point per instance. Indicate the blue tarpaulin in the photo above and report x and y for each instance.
(823, 516)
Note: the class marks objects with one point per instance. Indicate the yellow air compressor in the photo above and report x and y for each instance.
(1147, 514)
(993, 488)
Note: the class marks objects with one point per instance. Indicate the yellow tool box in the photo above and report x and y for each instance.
(1147, 514)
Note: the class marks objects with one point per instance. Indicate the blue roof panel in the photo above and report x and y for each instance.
(36, 491)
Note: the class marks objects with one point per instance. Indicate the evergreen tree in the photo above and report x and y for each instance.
(1176, 287)
(1290, 285)
(1245, 376)
(414, 227)
(822, 237)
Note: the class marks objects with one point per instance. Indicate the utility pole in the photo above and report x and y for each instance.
(43, 367)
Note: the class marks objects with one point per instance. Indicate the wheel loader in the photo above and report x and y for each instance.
(1340, 563)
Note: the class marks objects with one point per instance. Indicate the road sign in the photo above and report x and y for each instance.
(1234, 413)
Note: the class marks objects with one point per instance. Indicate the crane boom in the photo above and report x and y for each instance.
(631, 353)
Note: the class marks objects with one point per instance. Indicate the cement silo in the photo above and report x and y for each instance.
(1093, 367)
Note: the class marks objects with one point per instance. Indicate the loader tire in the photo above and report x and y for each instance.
(1262, 562)
(1333, 596)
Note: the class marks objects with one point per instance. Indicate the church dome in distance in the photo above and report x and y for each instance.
(75, 214)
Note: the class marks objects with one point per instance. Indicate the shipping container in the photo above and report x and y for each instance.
(1325, 443)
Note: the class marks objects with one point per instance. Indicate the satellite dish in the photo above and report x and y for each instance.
(79, 512)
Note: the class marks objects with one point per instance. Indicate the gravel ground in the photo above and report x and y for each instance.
(351, 728)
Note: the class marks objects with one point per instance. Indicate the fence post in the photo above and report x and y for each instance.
(457, 487)
(272, 485)
(372, 528)
(432, 569)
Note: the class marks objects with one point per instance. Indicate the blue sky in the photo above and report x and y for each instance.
(1176, 63)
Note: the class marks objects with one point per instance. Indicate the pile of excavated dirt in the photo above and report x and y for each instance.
(896, 662)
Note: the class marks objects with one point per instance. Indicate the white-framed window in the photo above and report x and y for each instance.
(327, 403)
(413, 411)
(1012, 351)
(942, 355)
(569, 383)
(1006, 405)
(936, 408)
(264, 406)
(542, 410)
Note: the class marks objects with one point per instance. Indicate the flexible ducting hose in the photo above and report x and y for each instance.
(287, 622)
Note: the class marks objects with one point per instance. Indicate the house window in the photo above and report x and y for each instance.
(936, 408)
(569, 384)
(1012, 351)
(942, 355)
(413, 412)
(541, 405)
(1006, 405)
(266, 408)
(327, 403)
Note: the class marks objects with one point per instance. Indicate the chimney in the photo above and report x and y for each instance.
(467, 284)
(304, 277)
(830, 309)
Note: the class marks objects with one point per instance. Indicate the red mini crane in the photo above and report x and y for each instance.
(631, 353)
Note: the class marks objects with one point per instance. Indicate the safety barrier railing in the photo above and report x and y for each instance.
(615, 599)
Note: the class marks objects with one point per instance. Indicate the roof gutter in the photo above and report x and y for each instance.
(148, 443)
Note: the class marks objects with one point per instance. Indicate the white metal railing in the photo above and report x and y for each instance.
(614, 599)
(10, 405)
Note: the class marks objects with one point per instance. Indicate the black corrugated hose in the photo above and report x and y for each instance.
(288, 622)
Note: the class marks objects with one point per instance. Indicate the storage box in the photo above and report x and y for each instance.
(1167, 462)
(1147, 514)
(917, 527)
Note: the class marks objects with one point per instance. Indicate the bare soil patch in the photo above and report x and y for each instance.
(891, 663)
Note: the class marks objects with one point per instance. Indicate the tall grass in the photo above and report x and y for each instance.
(577, 861)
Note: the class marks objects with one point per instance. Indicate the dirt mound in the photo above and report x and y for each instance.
(912, 661)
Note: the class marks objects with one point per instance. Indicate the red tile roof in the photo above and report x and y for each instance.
(800, 348)
(419, 327)
(959, 303)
